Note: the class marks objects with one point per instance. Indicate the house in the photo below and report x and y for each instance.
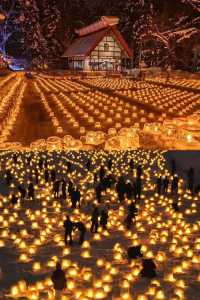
(98, 47)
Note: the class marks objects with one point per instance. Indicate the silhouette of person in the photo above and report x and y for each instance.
(129, 190)
(88, 165)
(132, 210)
(53, 175)
(148, 268)
(68, 225)
(82, 229)
(175, 206)
(159, 185)
(59, 281)
(120, 188)
(75, 198)
(46, 175)
(63, 187)
(165, 184)
(104, 219)
(56, 188)
(134, 252)
(22, 191)
(95, 220)
(131, 164)
(110, 164)
(139, 171)
(129, 221)
(98, 190)
(102, 173)
(174, 185)
(31, 191)
(14, 199)
(40, 163)
(138, 187)
(8, 177)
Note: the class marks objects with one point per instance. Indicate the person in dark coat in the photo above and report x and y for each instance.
(53, 175)
(104, 219)
(175, 206)
(14, 199)
(8, 177)
(110, 164)
(40, 163)
(174, 185)
(59, 281)
(148, 268)
(165, 184)
(102, 173)
(82, 229)
(138, 187)
(134, 252)
(88, 165)
(75, 198)
(64, 187)
(31, 191)
(69, 167)
(46, 175)
(139, 171)
(22, 191)
(70, 187)
(95, 220)
(56, 188)
(121, 188)
(132, 210)
(129, 190)
(98, 191)
(159, 185)
(68, 225)
(131, 164)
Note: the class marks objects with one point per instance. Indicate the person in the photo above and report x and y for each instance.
(53, 175)
(138, 187)
(82, 229)
(165, 185)
(56, 188)
(8, 177)
(63, 187)
(22, 191)
(174, 185)
(131, 164)
(110, 164)
(59, 281)
(159, 185)
(31, 191)
(104, 219)
(95, 220)
(46, 175)
(14, 199)
(88, 165)
(98, 191)
(148, 268)
(68, 225)
(134, 252)
(175, 206)
(75, 198)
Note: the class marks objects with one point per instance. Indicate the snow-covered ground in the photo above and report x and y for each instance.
(32, 233)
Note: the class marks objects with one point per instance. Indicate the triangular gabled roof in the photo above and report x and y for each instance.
(90, 37)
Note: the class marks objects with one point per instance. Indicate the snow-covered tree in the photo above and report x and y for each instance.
(50, 21)
(9, 22)
(35, 48)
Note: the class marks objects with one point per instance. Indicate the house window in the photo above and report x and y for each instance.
(106, 47)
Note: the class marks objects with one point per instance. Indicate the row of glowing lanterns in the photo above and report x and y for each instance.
(174, 234)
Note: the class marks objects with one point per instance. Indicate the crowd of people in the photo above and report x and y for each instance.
(127, 188)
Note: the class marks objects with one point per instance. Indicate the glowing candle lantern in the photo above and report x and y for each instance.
(36, 266)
